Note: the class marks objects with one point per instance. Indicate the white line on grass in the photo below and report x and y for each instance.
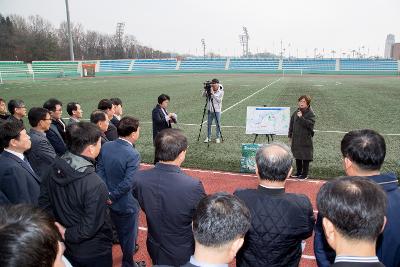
(244, 127)
(251, 95)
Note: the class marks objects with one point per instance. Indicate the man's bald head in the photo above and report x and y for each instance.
(274, 162)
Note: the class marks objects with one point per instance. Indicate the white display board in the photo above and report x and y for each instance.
(268, 120)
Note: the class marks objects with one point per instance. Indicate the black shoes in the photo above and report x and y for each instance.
(299, 176)
(303, 177)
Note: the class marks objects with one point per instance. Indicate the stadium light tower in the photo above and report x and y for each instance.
(203, 44)
(71, 44)
(244, 41)
(119, 34)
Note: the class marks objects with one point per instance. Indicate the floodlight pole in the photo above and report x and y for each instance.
(71, 44)
(203, 44)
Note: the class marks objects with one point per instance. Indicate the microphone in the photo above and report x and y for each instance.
(299, 110)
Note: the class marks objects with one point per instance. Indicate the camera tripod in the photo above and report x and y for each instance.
(209, 98)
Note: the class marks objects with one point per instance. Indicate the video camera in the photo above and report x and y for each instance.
(207, 87)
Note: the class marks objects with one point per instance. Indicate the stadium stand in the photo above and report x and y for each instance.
(13, 70)
(368, 65)
(203, 64)
(115, 65)
(253, 64)
(309, 64)
(52, 69)
(154, 64)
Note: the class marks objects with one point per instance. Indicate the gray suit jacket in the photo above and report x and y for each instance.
(41, 154)
(72, 121)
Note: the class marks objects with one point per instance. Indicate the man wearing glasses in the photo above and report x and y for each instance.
(42, 153)
(17, 110)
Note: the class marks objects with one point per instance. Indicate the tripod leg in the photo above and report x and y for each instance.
(217, 120)
(255, 138)
(202, 120)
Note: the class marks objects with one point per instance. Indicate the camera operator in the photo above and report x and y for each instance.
(214, 91)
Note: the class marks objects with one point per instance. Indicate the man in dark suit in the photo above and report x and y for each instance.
(75, 112)
(42, 153)
(77, 198)
(56, 133)
(100, 118)
(353, 216)
(117, 165)
(169, 197)
(220, 223)
(17, 109)
(160, 117)
(117, 105)
(107, 106)
(279, 220)
(18, 182)
(363, 154)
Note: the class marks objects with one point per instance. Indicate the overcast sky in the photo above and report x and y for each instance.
(179, 25)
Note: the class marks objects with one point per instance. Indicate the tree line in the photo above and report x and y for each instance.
(35, 38)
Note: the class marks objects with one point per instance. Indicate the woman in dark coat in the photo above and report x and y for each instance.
(301, 132)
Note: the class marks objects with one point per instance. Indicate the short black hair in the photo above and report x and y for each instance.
(98, 115)
(356, 206)
(219, 219)
(105, 104)
(28, 237)
(274, 161)
(51, 104)
(36, 114)
(366, 148)
(80, 135)
(9, 130)
(162, 98)
(72, 106)
(116, 101)
(13, 104)
(127, 125)
(169, 143)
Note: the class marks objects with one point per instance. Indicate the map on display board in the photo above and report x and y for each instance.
(268, 120)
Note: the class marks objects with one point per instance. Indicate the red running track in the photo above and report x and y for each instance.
(215, 181)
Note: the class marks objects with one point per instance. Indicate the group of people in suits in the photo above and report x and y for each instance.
(97, 182)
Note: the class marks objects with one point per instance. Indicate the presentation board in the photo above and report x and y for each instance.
(268, 120)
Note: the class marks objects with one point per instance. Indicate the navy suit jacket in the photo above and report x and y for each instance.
(117, 165)
(41, 154)
(111, 132)
(18, 183)
(56, 140)
(169, 198)
(159, 122)
(114, 121)
(388, 243)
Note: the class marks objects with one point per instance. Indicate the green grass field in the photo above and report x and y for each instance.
(340, 103)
